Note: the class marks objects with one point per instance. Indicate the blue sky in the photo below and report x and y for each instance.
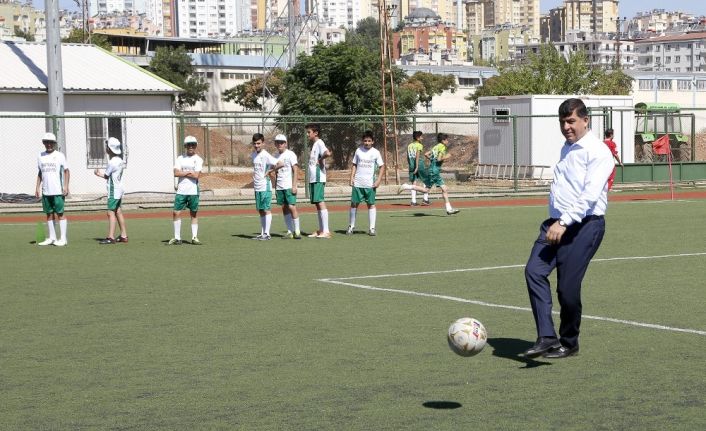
(629, 8)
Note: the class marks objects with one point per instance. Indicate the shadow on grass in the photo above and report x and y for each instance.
(512, 348)
(442, 405)
(417, 215)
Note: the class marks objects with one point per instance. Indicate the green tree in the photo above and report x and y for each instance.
(77, 35)
(367, 34)
(427, 85)
(174, 65)
(250, 94)
(26, 35)
(548, 72)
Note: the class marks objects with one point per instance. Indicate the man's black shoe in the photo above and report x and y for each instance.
(561, 352)
(543, 344)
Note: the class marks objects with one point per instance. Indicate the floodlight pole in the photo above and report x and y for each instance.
(55, 80)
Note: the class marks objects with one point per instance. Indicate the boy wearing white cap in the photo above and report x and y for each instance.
(113, 175)
(187, 168)
(53, 178)
(287, 178)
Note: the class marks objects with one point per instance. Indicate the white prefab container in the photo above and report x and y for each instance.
(539, 138)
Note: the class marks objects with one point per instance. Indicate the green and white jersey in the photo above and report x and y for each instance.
(52, 166)
(261, 163)
(114, 172)
(437, 153)
(188, 186)
(367, 162)
(412, 150)
(284, 174)
(317, 173)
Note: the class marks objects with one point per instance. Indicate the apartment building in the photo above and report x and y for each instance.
(580, 15)
(212, 18)
(672, 53)
(425, 33)
(23, 17)
(658, 21)
(602, 50)
(102, 7)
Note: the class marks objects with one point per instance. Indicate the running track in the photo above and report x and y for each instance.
(307, 208)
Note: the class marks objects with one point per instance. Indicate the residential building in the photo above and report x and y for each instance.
(21, 16)
(501, 44)
(602, 50)
(658, 21)
(211, 18)
(580, 15)
(424, 33)
(672, 53)
(97, 7)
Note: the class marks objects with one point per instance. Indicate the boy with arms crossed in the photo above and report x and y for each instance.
(263, 163)
(367, 172)
(287, 178)
(187, 168)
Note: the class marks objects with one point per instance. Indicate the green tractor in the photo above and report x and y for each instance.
(652, 121)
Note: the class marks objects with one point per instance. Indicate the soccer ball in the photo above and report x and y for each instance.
(467, 336)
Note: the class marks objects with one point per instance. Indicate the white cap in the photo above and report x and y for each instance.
(114, 145)
(190, 140)
(280, 137)
(49, 137)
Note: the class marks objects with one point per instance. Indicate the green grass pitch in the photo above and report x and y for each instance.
(349, 333)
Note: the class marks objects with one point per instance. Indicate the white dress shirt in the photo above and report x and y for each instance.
(580, 186)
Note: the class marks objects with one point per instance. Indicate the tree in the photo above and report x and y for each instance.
(26, 35)
(547, 72)
(77, 35)
(174, 65)
(249, 94)
(427, 85)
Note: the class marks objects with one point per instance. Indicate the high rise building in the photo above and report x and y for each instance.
(485, 14)
(212, 18)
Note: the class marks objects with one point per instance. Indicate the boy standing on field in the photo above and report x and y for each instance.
(367, 172)
(187, 168)
(263, 163)
(287, 178)
(608, 135)
(53, 177)
(317, 179)
(436, 156)
(113, 175)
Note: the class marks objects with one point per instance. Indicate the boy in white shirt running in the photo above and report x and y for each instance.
(113, 175)
(287, 178)
(53, 178)
(367, 172)
(263, 164)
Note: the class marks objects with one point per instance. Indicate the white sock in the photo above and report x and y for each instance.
(63, 224)
(407, 186)
(372, 217)
(52, 230)
(262, 225)
(324, 220)
(177, 229)
(296, 224)
(351, 217)
(194, 230)
(288, 222)
(448, 206)
(414, 196)
(321, 221)
(426, 196)
(268, 223)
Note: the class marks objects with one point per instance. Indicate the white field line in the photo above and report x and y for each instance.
(341, 281)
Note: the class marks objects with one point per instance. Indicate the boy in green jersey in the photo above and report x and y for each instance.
(417, 168)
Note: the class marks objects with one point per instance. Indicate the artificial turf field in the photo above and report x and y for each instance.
(349, 333)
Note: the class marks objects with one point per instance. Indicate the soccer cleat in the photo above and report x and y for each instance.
(174, 241)
(60, 243)
(297, 235)
(257, 237)
(195, 241)
(453, 211)
(349, 231)
(288, 235)
(325, 235)
(413, 204)
(426, 202)
(122, 239)
(47, 241)
(371, 232)
(107, 241)
(265, 237)
(314, 235)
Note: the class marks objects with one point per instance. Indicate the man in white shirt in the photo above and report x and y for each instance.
(571, 236)
(53, 183)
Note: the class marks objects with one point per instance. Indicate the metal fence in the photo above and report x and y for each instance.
(151, 144)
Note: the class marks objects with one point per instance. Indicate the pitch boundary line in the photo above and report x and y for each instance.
(342, 282)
